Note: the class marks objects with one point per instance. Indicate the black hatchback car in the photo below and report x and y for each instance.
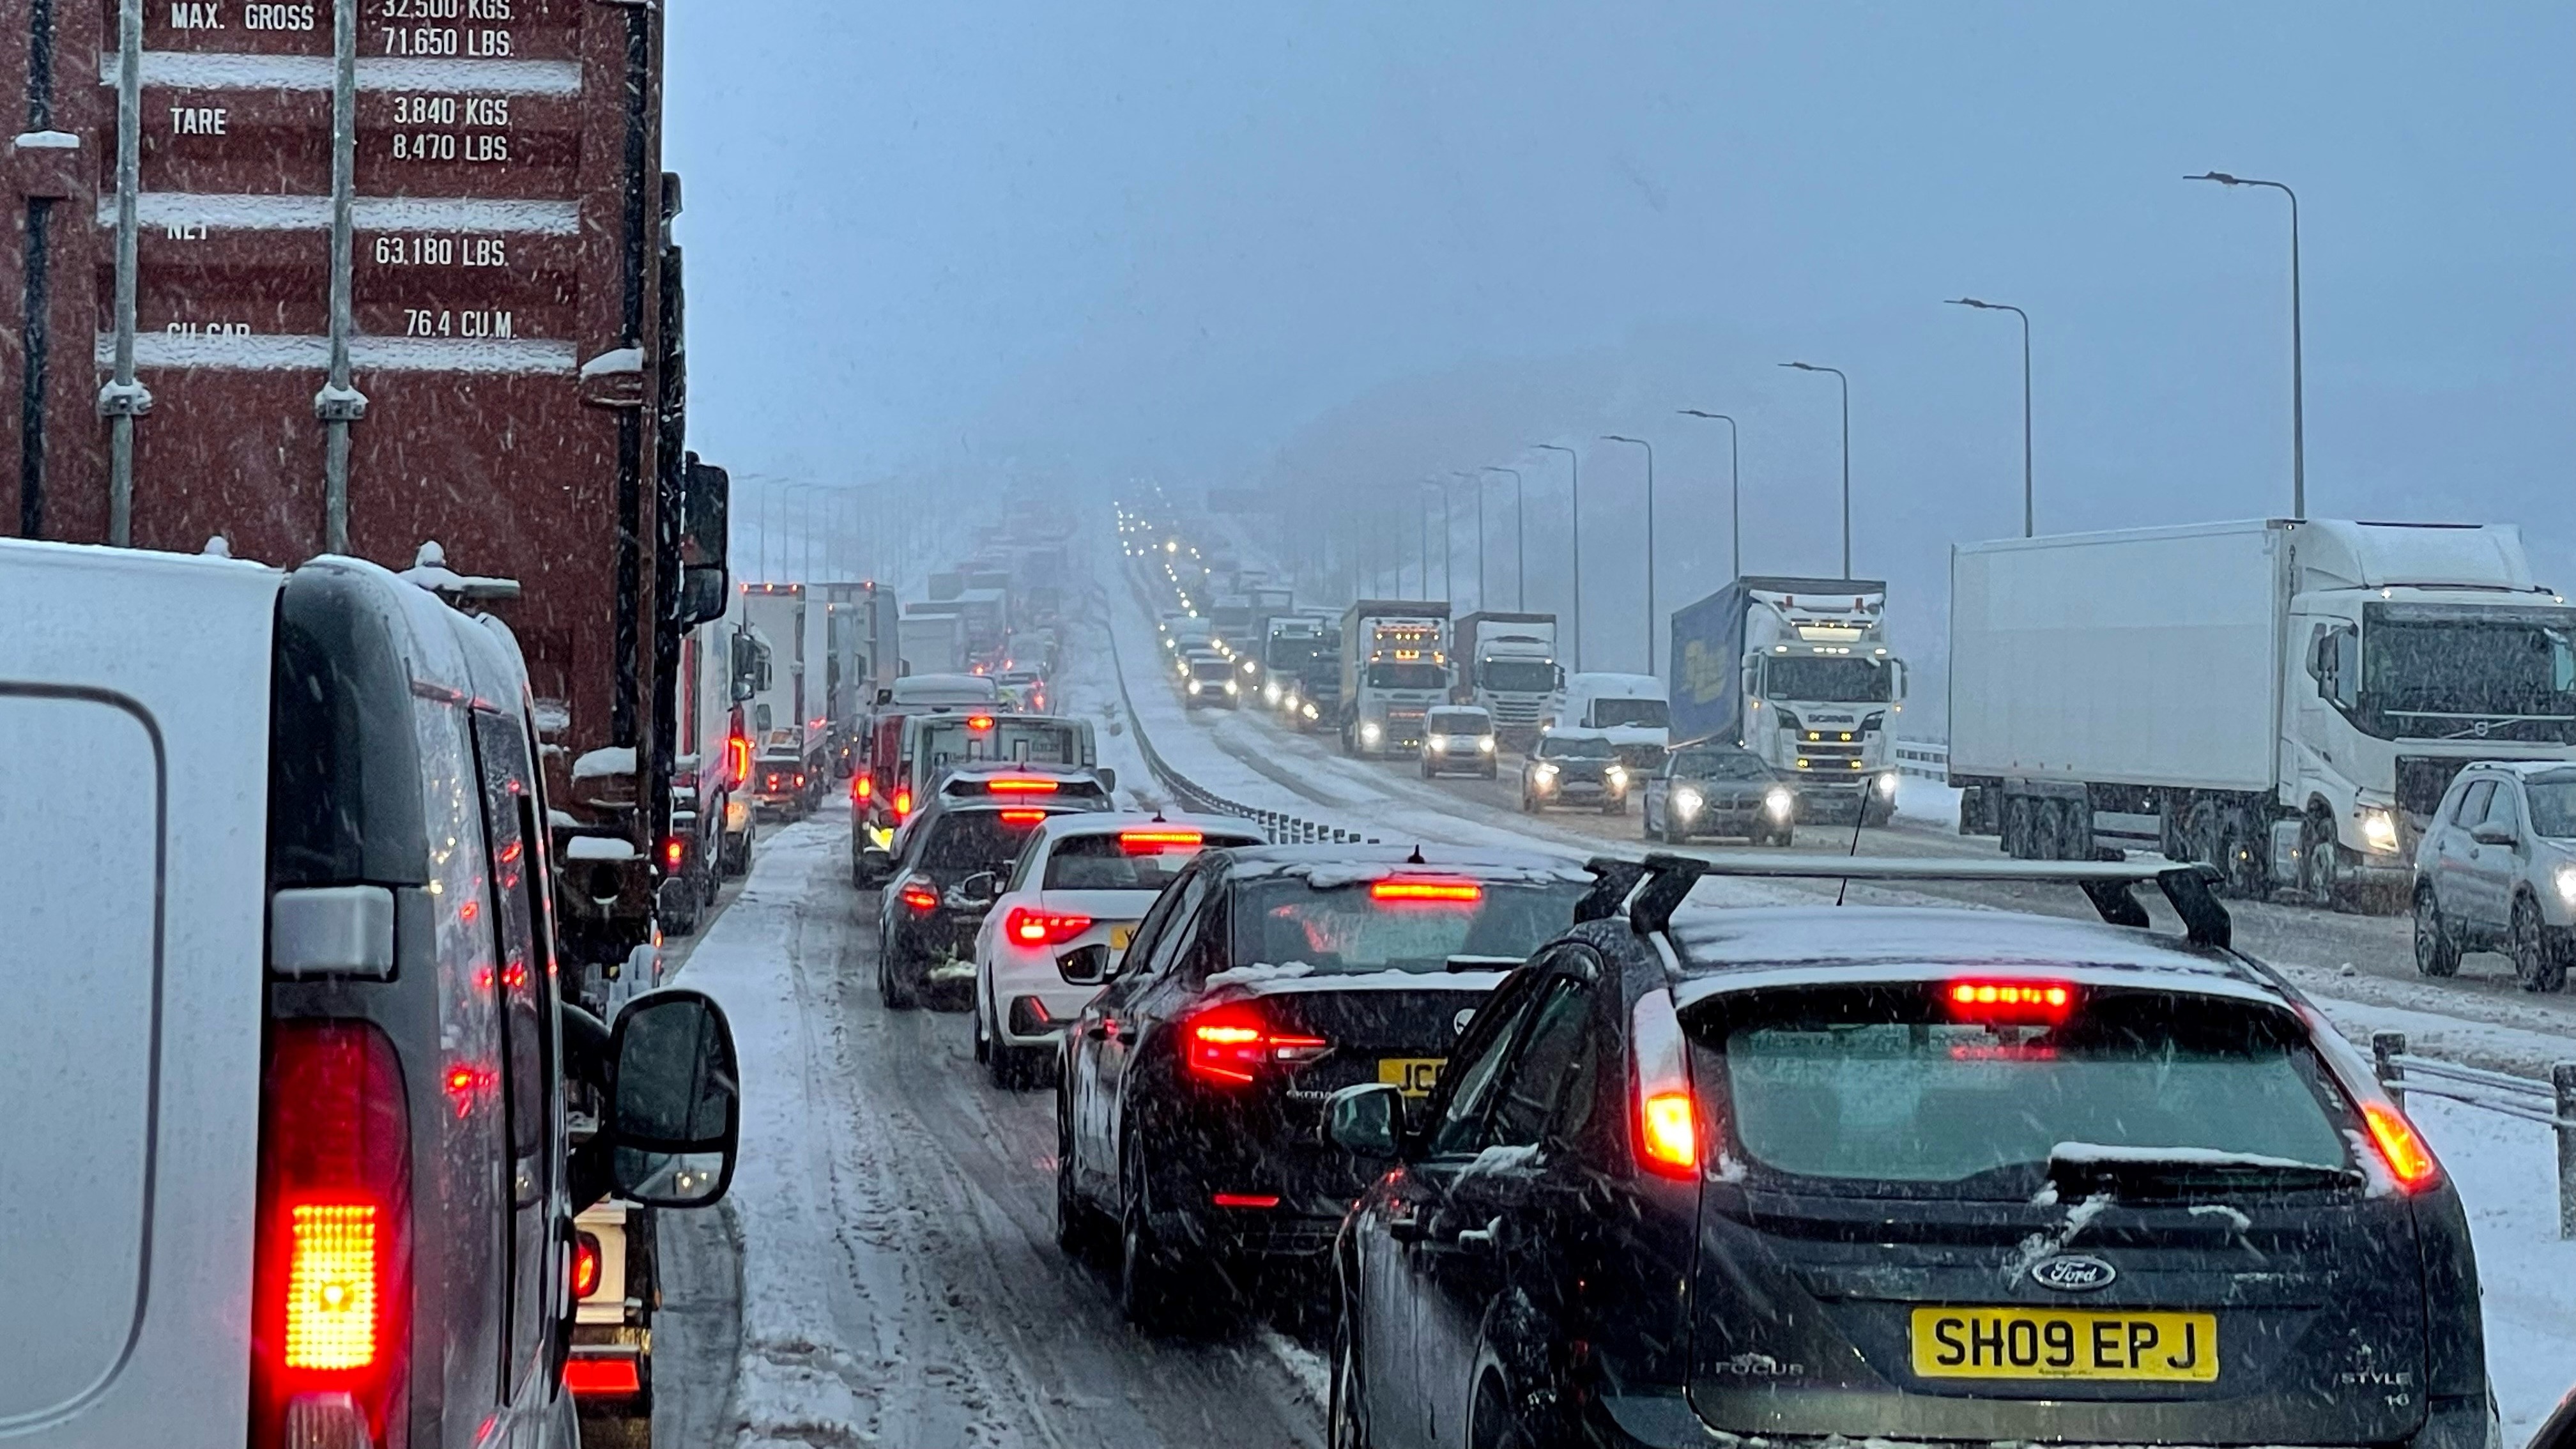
(1904, 1174)
(1189, 1113)
(945, 870)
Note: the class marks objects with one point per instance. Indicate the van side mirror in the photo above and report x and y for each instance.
(885, 696)
(675, 1100)
(1084, 965)
(1896, 668)
(1108, 777)
(1363, 1120)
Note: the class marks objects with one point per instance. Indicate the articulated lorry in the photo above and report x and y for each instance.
(931, 643)
(2285, 699)
(786, 708)
(1507, 663)
(1799, 672)
(861, 628)
(1395, 667)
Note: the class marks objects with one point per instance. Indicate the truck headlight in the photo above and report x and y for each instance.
(1485, 744)
(1686, 802)
(1617, 775)
(1887, 785)
(1779, 802)
(1270, 694)
(2379, 830)
(1370, 732)
(1307, 710)
(1232, 688)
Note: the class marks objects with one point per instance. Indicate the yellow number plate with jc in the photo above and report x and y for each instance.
(1412, 1076)
(2058, 1343)
(1119, 936)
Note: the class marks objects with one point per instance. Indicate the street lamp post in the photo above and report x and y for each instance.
(1734, 493)
(2026, 515)
(1650, 539)
(1477, 483)
(1574, 462)
(2298, 360)
(1846, 388)
(1520, 559)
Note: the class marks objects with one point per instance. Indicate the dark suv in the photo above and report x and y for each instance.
(1808, 1175)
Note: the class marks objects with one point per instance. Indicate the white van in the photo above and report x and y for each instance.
(287, 1156)
(1631, 711)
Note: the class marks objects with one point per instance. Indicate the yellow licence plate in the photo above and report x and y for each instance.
(1412, 1076)
(1119, 936)
(2059, 1343)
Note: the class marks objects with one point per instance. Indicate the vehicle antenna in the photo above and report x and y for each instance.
(1859, 814)
(1416, 857)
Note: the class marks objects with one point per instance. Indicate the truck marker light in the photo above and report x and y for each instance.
(2048, 1002)
(671, 850)
(863, 787)
(602, 1376)
(1422, 888)
(2408, 1159)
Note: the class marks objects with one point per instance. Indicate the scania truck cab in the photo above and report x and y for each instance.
(1799, 671)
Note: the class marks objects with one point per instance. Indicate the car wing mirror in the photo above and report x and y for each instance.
(1084, 966)
(1366, 1120)
(674, 1121)
(2492, 835)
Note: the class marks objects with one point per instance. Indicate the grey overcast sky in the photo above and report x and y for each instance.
(1337, 247)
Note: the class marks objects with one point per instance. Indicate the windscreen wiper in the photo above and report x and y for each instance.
(2168, 1171)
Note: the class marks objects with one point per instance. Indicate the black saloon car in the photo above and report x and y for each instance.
(1709, 789)
(1189, 1113)
(1800, 1175)
(1574, 770)
(946, 868)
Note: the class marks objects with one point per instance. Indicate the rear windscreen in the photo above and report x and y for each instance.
(1896, 1088)
(1111, 863)
(1347, 928)
(1034, 742)
(973, 840)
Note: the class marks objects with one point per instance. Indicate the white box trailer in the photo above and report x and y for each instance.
(2285, 699)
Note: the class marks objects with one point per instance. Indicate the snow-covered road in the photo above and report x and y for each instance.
(900, 1280)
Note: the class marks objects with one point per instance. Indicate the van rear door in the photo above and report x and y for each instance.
(134, 703)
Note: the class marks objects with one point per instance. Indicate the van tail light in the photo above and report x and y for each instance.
(672, 850)
(331, 1314)
(1228, 1044)
(2400, 1146)
(607, 1378)
(586, 1264)
(862, 786)
(903, 802)
(919, 893)
(1667, 1110)
(1043, 928)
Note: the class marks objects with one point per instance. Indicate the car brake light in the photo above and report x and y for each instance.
(918, 894)
(2408, 1159)
(592, 1377)
(1043, 928)
(903, 802)
(1023, 817)
(1148, 842)
(671, 850)
(1667, 1110)
(586, 1264)
(1021, 785)
(1424, 888)
(1228, 1043)
(332, 1311)
(2048, 1002)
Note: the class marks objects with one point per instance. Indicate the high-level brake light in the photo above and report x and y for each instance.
(1425, 888)
(1148, 842)
(1022, 785)
(2043, 1002)
(1023, 817)
(1043, 928)
(1228, 1044)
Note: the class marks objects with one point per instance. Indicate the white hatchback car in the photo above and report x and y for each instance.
(1083, 880)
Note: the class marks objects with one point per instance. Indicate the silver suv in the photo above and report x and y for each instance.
(2496, 871)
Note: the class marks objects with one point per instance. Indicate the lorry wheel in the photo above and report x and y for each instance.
(2537, 962)
(2320, 864)
(2047, 829)
(2437, 952)
(2241, 855)
(2014, 837)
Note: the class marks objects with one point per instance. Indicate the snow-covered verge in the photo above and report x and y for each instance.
(2507, 1174)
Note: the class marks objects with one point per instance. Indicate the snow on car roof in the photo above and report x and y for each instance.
(1736, 948)
(1114, 822)
(1327, 866)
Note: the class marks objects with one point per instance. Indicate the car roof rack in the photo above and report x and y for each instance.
(1655, 887)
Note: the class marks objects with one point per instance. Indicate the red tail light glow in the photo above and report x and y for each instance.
(979, 722)
(903, 802)
(738, 759)
(1021, 785)
(1425, 888)
(1043, 928)
(332, 1306)
(2048, 1002)
(1149, 842)
(672, 849)
(862, 786)
(1245, 1199)
(586, 1265)
(1227, 1044)
(595, 1377)
(919, 894)
(2401, 1147)
(1667, 1122)
(1023, 817)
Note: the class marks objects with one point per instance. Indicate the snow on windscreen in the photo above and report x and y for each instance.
(1347, 930)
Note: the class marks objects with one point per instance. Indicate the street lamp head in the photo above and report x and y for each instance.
(1972, 302)
(1621, 438)
(1801, 366)
(2221, 177)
